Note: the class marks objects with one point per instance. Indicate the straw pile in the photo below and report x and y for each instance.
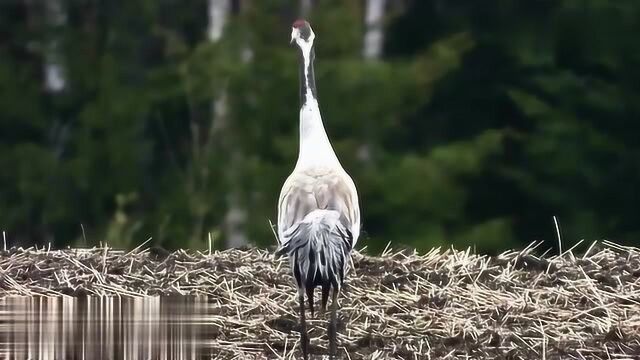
(401, 305)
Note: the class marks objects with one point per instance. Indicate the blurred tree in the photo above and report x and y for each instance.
(372, 43)
(219, 133)
(483, 120)
(555, 76)
(54, 72)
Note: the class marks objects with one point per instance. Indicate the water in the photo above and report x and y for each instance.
(105, 328)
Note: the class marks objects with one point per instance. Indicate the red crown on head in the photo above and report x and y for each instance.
(298, 23)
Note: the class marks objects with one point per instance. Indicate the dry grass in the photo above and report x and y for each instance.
(401, 305)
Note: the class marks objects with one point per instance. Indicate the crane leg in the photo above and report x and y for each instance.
(325, 297)
(310, 297)
(333, 325)
(304, 339)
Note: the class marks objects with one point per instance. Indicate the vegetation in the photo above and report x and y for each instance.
(479, 122)
(400, 305)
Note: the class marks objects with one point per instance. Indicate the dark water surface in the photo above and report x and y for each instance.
(104, 328)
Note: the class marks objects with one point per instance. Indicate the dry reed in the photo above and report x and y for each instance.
(400, 305)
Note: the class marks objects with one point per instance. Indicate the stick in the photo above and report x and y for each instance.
(558, 234)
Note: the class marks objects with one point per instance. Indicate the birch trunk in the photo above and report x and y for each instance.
(53, 68)
(235, 219)
(54, 74)
(374, 35)
(371, 51)
(305, 8)
(218, 14)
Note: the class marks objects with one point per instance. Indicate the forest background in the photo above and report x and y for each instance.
(462, 122)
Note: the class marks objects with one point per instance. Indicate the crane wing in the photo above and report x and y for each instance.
(306, 191)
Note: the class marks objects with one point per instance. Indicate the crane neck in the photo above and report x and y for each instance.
(307, 55)
(315, 148)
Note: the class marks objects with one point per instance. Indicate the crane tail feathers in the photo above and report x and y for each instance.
(318, 247)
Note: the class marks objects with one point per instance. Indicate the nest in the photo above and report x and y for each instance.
(400, 305)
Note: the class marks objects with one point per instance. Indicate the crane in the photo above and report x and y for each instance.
(318, 211)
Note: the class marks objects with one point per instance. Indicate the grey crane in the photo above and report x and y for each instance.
(318, 211)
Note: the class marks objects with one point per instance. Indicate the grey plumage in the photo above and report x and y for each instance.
(318, 212)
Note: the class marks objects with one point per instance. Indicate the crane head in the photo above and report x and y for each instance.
(301, 32)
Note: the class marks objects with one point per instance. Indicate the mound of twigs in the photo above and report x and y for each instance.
(443, 304)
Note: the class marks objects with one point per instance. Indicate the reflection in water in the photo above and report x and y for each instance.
(103, 328)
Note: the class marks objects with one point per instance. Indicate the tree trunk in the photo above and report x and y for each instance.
(235, 219)
(374, 35)
(218, 14)
(53, 68)
(305, 8)
(371, 51)
(54, 74)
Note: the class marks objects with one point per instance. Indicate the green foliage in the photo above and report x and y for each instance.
(480, 122)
